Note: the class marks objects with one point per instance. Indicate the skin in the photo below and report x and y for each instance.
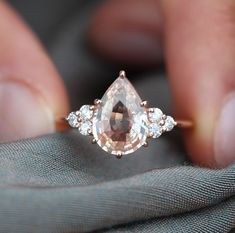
(196, 39)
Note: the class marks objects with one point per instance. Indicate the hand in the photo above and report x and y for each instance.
(198, 48)
(198, 42)
(31, 91)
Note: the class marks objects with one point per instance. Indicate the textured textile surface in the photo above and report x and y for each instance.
(56, 184)
(61, 183)
(53, 184)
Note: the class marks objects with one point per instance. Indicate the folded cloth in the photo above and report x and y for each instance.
(57, 183)
(62, 183)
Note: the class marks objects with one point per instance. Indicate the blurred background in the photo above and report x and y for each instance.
(62, 27)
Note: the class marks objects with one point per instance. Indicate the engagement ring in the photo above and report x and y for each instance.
(120, 122)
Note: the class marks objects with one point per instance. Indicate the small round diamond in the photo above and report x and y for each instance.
(155, 130)
(155, 115)
(85, 128)
(73, 120)
(86, 112)
(169, 123)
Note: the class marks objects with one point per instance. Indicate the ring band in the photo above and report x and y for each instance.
(62, 124)
(120, 122)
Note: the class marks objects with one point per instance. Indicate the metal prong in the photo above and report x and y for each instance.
(92, 107)
(89, 131)
(145, 144)
(151, 110)
(77, 113)
(164, 117)
(119, 155)
(162, 122)
(122, 74)
(150, 135)
(97, 102)
(93, 141)
(144, 103)
(79, 120)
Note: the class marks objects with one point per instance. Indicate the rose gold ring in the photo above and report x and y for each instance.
(120, 122)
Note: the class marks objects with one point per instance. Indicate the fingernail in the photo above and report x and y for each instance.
(225, 134)
(23, 113)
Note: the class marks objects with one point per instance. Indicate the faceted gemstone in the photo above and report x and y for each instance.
(85, 112)
(119, 122)
(73, 120)
(155, 130)
(169, 123)
(155, 115)
(85, 128)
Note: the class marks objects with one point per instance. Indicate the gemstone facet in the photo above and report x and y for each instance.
(73, 120)
(155, 114)
(85, 112)
(155, 130)
(169, 123)
(120, 123)
(85, 128)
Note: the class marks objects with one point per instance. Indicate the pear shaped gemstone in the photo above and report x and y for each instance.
(119, 122)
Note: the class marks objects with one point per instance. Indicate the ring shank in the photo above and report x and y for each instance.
(185, 124)
(61, 124)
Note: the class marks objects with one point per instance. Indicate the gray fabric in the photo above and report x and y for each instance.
(62, 183)
(57, 184)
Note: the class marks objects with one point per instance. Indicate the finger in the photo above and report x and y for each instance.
(200, 52)
(128, 31)
(31, 92)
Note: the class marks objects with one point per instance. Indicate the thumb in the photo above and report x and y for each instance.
(31, 92)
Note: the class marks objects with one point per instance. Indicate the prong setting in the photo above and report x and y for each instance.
(97, 102)
(144, 103)
(77, 113)
(146, 144)
(89, 131)
(164, 117)
(92, 107)
(119, 155)
(122, 74)
(150, 110)
(162, 122)
(150, 135)
(93, 141)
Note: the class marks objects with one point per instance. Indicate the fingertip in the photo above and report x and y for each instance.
(128, 32)
(24, 113)
(32, 94)
(225, 133)
(199, 56)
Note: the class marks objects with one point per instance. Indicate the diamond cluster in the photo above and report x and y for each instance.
(159, 123)
(82, 119)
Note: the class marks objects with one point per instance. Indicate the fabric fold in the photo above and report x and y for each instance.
(54, 190)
